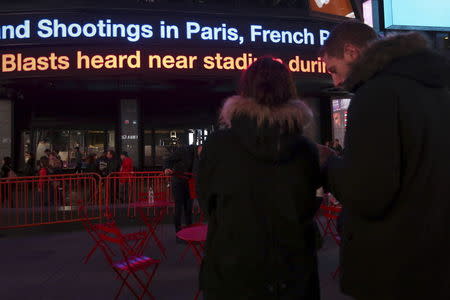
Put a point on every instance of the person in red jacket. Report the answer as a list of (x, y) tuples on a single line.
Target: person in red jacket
[(125, 170), (127, 163), (45, 186)]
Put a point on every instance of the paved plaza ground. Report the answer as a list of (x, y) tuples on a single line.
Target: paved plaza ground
[(46, 263)]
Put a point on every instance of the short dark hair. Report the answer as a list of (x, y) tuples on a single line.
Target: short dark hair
[(125, 153), (44, 162), (268, 82), (7, 160), (352, 32)]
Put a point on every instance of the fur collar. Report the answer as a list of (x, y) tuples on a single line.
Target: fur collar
[(383, 52), (292, 116)]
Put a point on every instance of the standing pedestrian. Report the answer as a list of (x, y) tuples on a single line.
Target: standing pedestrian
[(55, 165), (113, 163), (29, 168), (179, 162), (337, 147), (102, 165), (78, 159), (397, 228), (7, 169), (91, 163), (46, 189), (257, 183), (125, 170), (113, 166)]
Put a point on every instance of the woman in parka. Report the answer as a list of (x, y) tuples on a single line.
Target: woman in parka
[(257, 184)]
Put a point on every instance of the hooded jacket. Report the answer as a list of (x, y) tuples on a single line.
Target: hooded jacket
[(257, 184), (393, 179)]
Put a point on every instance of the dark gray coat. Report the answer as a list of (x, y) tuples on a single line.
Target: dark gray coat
[(394, 176)]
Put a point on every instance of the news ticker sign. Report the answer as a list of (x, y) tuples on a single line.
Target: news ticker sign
[(63, 43)]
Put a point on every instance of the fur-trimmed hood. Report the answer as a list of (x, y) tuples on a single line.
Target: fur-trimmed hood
[(293, 116), (407, 55), (269, 133)]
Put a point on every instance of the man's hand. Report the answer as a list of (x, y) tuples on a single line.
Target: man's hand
[(168, 172), (324, 154)]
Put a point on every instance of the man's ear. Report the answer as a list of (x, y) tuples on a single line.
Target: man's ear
[(351, 52)]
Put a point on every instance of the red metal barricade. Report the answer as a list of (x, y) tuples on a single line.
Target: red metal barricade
[(124, 190), (39, 200)]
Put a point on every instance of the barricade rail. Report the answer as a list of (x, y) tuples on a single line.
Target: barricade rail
[(136, 174), (53, 199)]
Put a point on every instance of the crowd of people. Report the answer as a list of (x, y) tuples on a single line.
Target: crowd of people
[(51, 164)]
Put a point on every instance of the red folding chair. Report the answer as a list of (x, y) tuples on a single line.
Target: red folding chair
[(318, 219), (331, 214), (131, 263), (136, 239), (152, 224)]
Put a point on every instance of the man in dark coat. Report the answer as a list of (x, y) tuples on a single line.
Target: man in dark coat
[(183, 160), (113, 163), (393, 177)]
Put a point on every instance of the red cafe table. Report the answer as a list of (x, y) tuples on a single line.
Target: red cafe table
[(152, 223), (195, 237)]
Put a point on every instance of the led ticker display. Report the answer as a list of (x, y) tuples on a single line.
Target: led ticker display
[(75, 61), (201, 30), (70, 43)]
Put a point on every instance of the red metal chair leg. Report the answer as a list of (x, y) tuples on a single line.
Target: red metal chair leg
[(186, 249), (88, 257), (143, 285), (149, 281), (321, 226), (197, 252), (158, 242), (125, 283)]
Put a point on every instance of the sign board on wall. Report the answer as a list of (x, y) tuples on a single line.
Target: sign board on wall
[(341, 8), (419, 15), (69, 43)]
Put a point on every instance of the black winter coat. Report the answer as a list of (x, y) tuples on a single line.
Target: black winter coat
[(182, 160), (394, 176), (113, 166), (257, 185)]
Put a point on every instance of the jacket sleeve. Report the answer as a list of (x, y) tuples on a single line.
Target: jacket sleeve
[(367, 178), (173, 158)]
